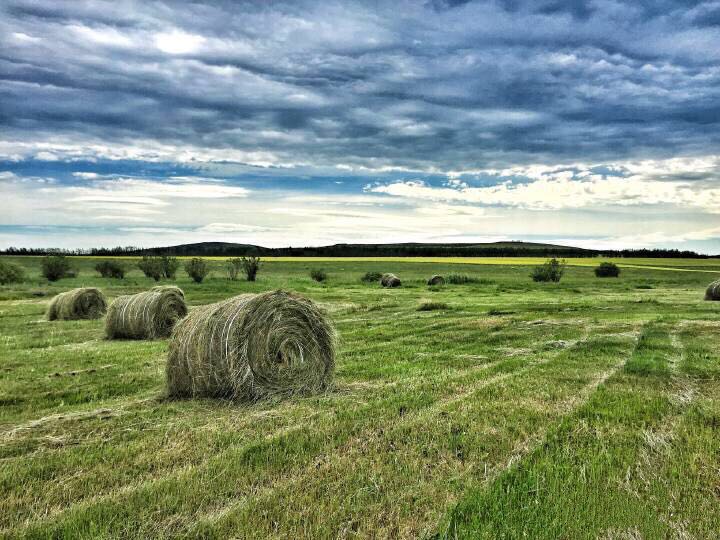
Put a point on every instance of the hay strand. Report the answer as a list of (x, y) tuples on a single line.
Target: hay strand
[(250, 347), (713, 291), (147, 315), (390, 280), (436, 280), (82, 303)]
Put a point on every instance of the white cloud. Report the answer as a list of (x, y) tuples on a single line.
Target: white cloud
[(104, 35), (178, 42), (644, 183), (86, 175), (230, 228)]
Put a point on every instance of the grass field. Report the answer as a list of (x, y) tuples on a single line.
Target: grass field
[(503, 409)]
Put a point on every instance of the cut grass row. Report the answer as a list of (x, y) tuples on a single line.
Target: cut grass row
[(631, 463)]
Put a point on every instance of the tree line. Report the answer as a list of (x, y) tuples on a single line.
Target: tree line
[(219, 249)]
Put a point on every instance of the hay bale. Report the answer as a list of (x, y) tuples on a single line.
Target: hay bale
[(250, 347), (148, 315), (436, 280), (390, 280), (82, 303), (713, 291)]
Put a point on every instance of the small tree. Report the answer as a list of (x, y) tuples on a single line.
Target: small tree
[(607, 269), (56, 267), (251, 265), (152, 267), (110, 269), (11, 272), (318, 274), (552, 270), (233, 267), (197, 269), (170, 266)]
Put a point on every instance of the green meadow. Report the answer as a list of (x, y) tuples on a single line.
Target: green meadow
[(499, 408)]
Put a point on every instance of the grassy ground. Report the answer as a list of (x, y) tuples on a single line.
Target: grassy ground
[(501, 409)]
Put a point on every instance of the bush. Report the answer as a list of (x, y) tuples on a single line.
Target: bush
[(197, 269), (432, 306), (371, 277), (552, 270), (170, 266), (460, 279), (111, 269), (56, 267), (318, 274), (607, 269), (251, 265), (11, 272), (233, 268), (152, 267)]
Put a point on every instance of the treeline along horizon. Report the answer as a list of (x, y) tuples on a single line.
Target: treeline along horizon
[(506, 249)]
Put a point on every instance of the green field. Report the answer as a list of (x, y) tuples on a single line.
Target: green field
[(585, 409)]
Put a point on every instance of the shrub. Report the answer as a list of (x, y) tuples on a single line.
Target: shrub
[(607, 269), (460, 279), (318, 274), (11, 272), (233, 267), (111, 269), (170, 266), (152, 267), (552, 270), (371, 277), (432, 306), (56, 267), (251, 265), (197, 269)]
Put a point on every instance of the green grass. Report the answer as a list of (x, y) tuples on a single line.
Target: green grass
[(500, 408)]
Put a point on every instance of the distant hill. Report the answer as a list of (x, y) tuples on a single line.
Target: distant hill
[(411, 249)]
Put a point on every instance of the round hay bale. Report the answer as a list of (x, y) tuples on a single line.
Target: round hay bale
[(436, 280), (390, 280), (250, 347), (147, 315), (713, 291), (83, 303)]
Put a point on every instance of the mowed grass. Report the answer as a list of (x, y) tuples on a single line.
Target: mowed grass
[(585, 409)]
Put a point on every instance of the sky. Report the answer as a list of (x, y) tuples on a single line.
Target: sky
[(586, 123)]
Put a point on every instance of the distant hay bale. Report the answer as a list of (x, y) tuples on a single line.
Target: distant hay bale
[(713, 291), (250, 347), (436, 280), (390, 280), (83, 303), (148, 315)]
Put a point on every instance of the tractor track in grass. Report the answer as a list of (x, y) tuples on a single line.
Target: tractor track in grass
[(343, 457), (177, 473)]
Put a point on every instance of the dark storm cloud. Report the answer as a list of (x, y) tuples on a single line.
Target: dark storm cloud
[(443, 84)]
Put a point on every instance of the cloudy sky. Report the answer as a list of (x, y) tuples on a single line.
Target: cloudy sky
[(590, 123)]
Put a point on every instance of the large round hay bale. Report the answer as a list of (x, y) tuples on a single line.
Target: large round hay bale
[(436, 280), (83, 303), (250, 347), (147, 315), (390, 280), (713, 291)]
